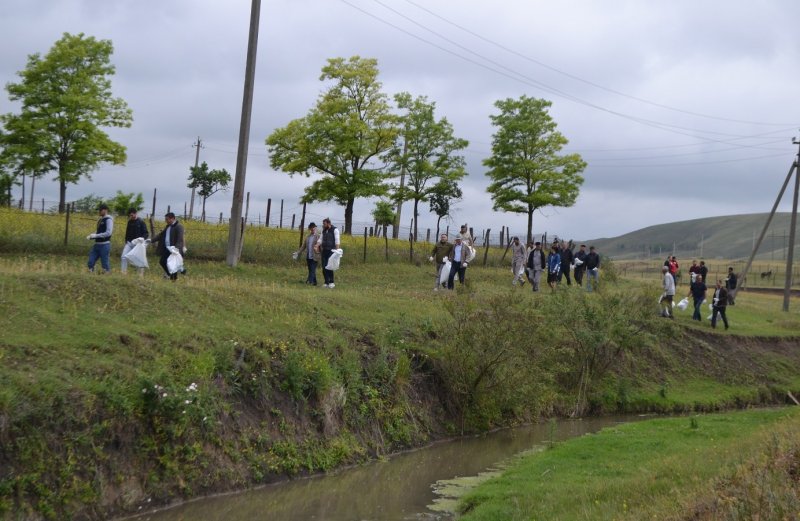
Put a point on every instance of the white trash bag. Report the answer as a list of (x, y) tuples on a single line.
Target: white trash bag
[(333, 261), (445, 275), (174, 261), (295, 255), (470, 253), (578, 262), (683, 304), (138, 254)]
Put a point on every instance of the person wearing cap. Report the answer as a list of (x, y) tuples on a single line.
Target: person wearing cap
[(592, 265), (518, 261), (101, 249), (580, 265), (668, 283), (135, 229), (458, 263), (308, 252), (439, 256), (171, 235), (536, 265)]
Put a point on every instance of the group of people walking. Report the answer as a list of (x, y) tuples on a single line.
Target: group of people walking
[(171, 235), (458, 254), (320, 247), (724, 292), (530, 263)]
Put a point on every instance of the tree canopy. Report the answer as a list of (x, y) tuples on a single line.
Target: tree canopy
[(207, 182), (342, 138), (66, 100), (426, 151), (442, 196), (526, 171)]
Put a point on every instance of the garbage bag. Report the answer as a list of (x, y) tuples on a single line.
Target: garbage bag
[(174, 261), (445, 272), (470, 253), (578, 262), (333, 261), (683, 304), (138, 255)]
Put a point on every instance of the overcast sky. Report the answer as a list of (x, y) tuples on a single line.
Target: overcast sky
[(682, 109)]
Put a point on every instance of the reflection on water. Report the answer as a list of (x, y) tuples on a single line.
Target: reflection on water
[(397, 489)]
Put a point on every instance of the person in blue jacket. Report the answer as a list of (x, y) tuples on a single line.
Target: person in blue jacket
[(553, 267)]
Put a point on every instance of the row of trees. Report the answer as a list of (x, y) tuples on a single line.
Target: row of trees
[(358, 146), (353, 139)]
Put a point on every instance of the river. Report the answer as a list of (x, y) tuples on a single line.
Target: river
[(399, 488)]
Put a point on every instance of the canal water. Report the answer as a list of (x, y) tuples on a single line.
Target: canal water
[(400, 488)]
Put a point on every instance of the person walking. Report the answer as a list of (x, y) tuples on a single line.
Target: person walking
[(592, 265), (703, 270), (673, 268), (466, 236), (171, 235), (101, 249), (135, 229), (553, 267), (719, 305), (730, 285), (566, 262), (458, 263), (327, 242), (697, 290), (308, 252), (580, 265), (668, 283), (518, 261), (439, 256), (536, 265), (694, 270)]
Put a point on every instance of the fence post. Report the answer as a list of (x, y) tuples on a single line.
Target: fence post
[(302, 225), (386, 244), (184, 210), (280, 221), (365, 244), (220, 218), (486, 251), (293, 221), (42, 204), (428, 235), (154, 204), (269, 207), (447, 232), (411, 242), (246, 211)]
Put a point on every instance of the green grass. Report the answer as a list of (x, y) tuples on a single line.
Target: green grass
[(650, 470)]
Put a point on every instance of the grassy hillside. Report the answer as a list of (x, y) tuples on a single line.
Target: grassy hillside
[(725, 237), (121, 392)]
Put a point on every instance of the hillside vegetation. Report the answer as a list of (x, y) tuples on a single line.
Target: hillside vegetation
[(121, 392)]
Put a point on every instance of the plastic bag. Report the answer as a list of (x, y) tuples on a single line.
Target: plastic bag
[(445, 275), (333, 261), (295, 255), (578, 262), (683, 304), (138, 255), (470, 253), (174, 261)]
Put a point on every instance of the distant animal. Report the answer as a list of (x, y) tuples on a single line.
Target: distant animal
[(766, 274)]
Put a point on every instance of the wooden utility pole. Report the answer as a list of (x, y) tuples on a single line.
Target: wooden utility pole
[(396, 226), (234, 230), (302, 225), (197, 145)]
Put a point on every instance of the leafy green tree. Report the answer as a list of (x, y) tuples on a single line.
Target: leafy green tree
[(122, 202), (207, 182), (383, 213), (22, 155), (427, 152), (66, 100), (441, 199), (88, 204), (341, 138), (526, 169)]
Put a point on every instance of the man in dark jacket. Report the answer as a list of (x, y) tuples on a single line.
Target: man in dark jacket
[(135, 229), (580, 265), (327, 242), (719, 305), (566, 262), (592, 265), (730, 285), (101, 249), (536, 265), (171, 235), (439, 256)]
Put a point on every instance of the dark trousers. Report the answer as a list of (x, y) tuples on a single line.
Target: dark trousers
[(579, 275), (565, 273), (163, 262), (697, 303), (327, 274), (721, 311), (312, 271), (456, 267)]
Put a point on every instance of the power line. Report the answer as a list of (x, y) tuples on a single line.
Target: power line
[(583, 80)]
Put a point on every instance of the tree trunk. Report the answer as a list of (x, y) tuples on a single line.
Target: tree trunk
[(348, 216), (204, 210), (530, 224), (416, 218), (436, 237), (33, 181), (62, 195)]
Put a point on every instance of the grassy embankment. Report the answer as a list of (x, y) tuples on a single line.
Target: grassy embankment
[(125, 391), (732, 466)]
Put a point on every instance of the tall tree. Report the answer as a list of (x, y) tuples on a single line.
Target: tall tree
[(342, 137), (384, 215), (526, 169), (66, 100), (441, 199), (427, 151), (207, 182)]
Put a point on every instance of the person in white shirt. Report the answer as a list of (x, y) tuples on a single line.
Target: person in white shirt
[(458, 263), (327, 242)]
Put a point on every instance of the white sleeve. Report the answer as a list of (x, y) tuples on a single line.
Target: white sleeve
[(336, 236)]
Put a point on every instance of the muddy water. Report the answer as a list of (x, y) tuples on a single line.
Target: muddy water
[(398, 489)]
